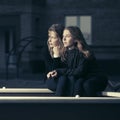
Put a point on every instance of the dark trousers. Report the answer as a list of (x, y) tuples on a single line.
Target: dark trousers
[(58, 85), (65, 86), (87, 87), (75, 86), (69, 86), (94, 85)]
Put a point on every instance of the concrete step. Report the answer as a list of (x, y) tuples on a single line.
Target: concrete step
[(111, 94), (59, 108), (25, 92)]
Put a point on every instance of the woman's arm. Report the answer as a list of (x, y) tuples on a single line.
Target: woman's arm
[(78, 69)]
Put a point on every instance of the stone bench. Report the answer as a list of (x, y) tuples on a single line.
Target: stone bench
[(42, 92), (25, 92), (110, 94)]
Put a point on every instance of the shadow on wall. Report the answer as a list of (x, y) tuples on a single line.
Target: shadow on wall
[(37, 66), (111, 67)]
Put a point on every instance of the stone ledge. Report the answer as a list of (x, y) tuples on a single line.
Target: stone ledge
[(111, 94), (25, 90), (59, 100)]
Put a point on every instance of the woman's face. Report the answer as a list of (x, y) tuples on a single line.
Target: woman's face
[(68, 41), (53, 39)]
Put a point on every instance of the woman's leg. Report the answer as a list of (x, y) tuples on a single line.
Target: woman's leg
[(75, 86), (78, 87), (51, 84), (70, 85), (61, 86), (94, 85)]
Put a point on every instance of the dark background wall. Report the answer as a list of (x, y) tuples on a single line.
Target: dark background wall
[(34, 17)]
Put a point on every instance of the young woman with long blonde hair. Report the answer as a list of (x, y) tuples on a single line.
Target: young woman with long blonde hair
[(55, 46)]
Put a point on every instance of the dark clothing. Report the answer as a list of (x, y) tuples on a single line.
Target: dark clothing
[(58, 85), (75, 86), (63, 86), (80, 76), (80, 66), (84, 71), (94, 85)]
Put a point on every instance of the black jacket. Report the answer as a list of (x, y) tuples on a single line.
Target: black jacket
[(78, 65)]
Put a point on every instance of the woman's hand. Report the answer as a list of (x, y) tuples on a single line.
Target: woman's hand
[(49, 75), (52, 74)]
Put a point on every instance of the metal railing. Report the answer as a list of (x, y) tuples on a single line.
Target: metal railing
[(17, 51)]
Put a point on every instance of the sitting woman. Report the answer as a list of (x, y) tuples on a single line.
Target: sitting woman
[(55, 46), (82, 71)]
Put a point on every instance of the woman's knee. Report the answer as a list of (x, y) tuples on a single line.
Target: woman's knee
[(62, 81), (87, 84), (51, 84)]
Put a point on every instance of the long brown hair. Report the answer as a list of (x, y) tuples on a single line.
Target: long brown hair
[(58, 29), (79, 43)]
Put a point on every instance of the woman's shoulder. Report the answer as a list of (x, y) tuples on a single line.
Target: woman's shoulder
[(78, 53), (91, 56)]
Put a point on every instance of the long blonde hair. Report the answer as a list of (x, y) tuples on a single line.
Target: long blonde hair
[(79, 41), (58, 29)]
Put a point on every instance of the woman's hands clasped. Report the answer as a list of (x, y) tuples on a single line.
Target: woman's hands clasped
[(52, 74)]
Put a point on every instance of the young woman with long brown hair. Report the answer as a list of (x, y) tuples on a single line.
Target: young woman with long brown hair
[(82, 70)]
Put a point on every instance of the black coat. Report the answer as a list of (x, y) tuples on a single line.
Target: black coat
[(82, 75), (78, 65)]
